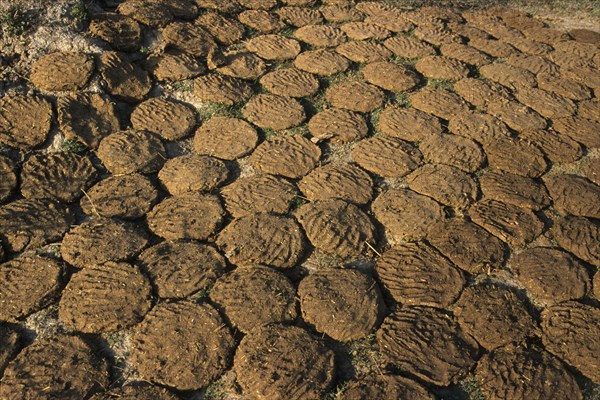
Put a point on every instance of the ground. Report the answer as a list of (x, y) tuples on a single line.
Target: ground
[(221, 199)]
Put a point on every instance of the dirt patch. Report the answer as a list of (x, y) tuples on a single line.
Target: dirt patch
[(182, 345), (268, 239), (96, 242), (258, 194), (417, 274), (255, 296), (64, 367), (28, 284), (344, 304), (428, 355), (258, 359), (179, 269), (105, 298), (58, 176)]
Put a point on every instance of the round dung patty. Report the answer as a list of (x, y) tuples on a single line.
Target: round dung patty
[(385, 386), (10, 344), (439, 102), (243, 65), (187, 216), (551, 275), (262, 239), (58, 176), (321, 62), (98, 241), (481, 93), (274, 47), (454, 150), (342, 303), (337, 227), (515, 225), (501, 372), (275, 112), (62, 71), (290, 82), (192, 173), (338, 180), (222, 89), (303, 365), (517, 116), (24, 121), (482, 128), (87, 117), (390, 76), (61, 368), (121, 196), (136, 391), (549, 105), (182, 345), (338, 125), (417, 274), (254, 296), (409, 47), (440, 67), (179, 269), (31, 223), (290, 156), (508, 75), (556, 147), (363, 51), (468, 245), (28, 284), (226, 138), (105, 298), (300, 16), (167, 118), (385, 156), (575, 195), (258, 194), (340, 11), (514, 189), (571, 331), (564, 86), (580, 236), (409, 124), (188, 38), (406, 214), (225, 30), (515, 156), (446, 184), (362, 30), (427, 343), (321, 35), (123, 79), (130, 151), (466, 54), (120, 31), (494, 316), (591, 170), (579, 129), (8, 178), (261, 20), (153, 14), (173, 67)]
